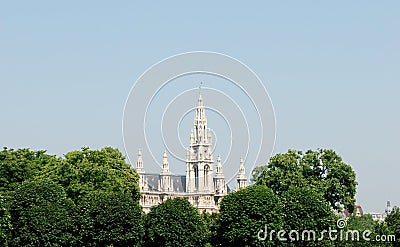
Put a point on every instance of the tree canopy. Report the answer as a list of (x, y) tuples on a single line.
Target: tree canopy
[(108, 218), (245, 212), (42, 215), (88, 170), (175, 222), (304, 209), (323, 170), (392, 221), (17, 166), (5, 222)]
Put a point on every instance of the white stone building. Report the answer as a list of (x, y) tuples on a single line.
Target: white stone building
[(202, 185)]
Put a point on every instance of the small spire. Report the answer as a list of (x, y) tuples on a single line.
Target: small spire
[(165, 164), (219, 166), (165, 156), (242, 170), (241, 176), (139, 162)]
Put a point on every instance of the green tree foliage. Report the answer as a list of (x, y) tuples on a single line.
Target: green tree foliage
[(305, 209), (89, 170), (17, 166), (245, 212), (5, 223), (392, 221), (42, 215), (256, 172), (108, 218), (322, 170), (210, 222), (174, 222), (361, 224)]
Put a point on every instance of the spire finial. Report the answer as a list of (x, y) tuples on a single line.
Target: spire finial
[(200, 100)]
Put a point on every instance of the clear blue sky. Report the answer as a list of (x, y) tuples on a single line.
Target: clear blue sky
[(332, 71)]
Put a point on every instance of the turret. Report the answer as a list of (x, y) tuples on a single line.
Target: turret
[(220, 186), (139, 162), (166, 184), (241, 176), (140, 170)]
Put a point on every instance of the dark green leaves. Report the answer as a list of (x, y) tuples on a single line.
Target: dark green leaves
[(243, 213), (175, 222), (322, 170)]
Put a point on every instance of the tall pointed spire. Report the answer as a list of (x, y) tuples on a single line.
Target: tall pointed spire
[(200, 123), (199, 161)]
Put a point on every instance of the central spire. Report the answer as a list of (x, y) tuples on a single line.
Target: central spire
[(199, 157), (200, 124)]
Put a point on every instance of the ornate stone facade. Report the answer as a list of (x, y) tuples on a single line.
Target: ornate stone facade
[(201, 185)]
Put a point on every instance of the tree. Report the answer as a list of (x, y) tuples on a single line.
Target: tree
[(210, 222), (5, 223), (175, 222), (108, 218), (360, 223), (246, 214), (392, 221), (42, 215), (305, 209), (322, 170), (256, 172), (17, 166), (82, 172)]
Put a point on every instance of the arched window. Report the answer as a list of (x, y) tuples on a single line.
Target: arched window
[(196, 177), (206, 173)]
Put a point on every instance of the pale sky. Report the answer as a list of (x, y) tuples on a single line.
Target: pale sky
[(331, 70)]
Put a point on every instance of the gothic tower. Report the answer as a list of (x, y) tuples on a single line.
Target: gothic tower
[(199, 158)]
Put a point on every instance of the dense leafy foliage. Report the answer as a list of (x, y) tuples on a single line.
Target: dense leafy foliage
[(89, 170), (322, 170), (42, 215), (5, 223), (110, 219), (90, 198), (393, 224), (174, 222), (256, 172), (17, 166), (305, 209), (361, 224), (245, 212), (210, 222)]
